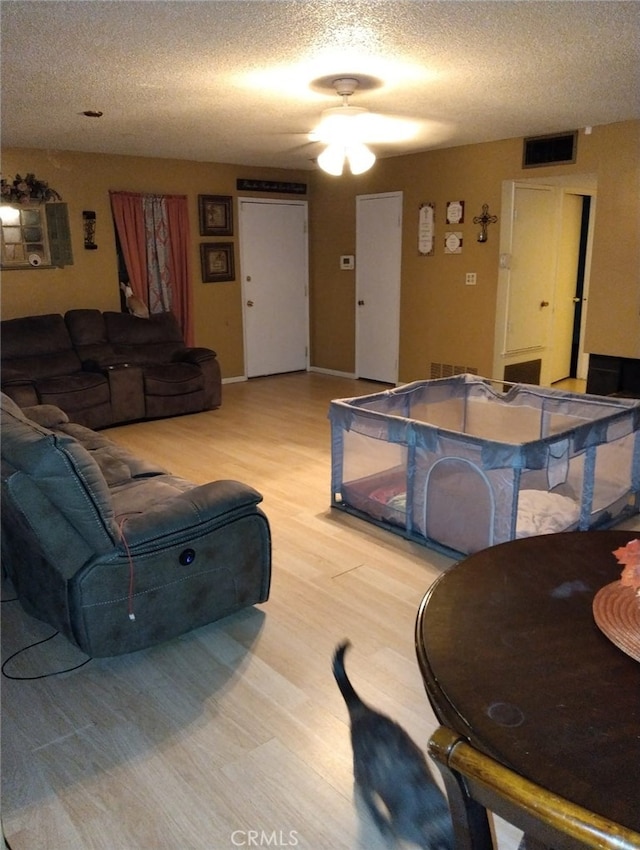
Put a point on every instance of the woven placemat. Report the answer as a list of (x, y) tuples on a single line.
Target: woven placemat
[(616, 610)]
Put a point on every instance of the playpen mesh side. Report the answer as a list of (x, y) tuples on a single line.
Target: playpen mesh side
[(469, 404)]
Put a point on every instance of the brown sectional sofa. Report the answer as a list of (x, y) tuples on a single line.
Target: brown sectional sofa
[(103, 368)]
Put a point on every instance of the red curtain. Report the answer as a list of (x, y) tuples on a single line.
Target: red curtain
[(129, 217)]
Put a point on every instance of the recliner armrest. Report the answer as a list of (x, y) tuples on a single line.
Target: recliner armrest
[(210, 504)]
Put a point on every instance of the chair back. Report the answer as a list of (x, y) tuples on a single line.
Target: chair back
[(476, 783)]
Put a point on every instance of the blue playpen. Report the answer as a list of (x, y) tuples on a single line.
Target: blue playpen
[(465, 462)]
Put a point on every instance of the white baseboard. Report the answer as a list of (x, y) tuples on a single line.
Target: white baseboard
[(238, 378), (332, 372)]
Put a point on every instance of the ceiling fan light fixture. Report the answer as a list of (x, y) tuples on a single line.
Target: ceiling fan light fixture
[(331, 160), (359, 157), (343, 129)]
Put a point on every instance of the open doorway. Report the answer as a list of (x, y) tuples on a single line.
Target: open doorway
[(543, 281), (575, 366)]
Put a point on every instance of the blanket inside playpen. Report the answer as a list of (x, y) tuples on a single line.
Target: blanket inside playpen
[(538, 511)]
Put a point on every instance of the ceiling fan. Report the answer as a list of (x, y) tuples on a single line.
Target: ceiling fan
[(348, 130)]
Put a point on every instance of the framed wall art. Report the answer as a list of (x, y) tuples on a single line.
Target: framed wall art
[(216, 259), (455, 212), (216, 215), (426, 225)]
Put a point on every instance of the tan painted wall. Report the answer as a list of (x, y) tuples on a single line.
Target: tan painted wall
[(84, 181), (442, 320), (614, 300)]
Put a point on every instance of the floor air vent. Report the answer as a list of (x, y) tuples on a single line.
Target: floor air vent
[(558, 149), (446, 370)]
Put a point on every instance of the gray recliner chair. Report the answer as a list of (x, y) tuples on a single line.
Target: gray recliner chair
[(115, 552)]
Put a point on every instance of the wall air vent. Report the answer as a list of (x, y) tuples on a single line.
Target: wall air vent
[(448, 370), (556, 149)]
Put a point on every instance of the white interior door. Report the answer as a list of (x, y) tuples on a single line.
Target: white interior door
[(378, 262), (274, 268), (533, 257)]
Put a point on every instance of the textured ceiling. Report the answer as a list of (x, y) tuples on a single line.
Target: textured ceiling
[(234, 81)]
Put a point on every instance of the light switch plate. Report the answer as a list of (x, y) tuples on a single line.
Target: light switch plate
[(347, 261)]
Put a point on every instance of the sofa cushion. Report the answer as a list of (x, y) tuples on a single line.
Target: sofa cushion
[(172, 379), (84, 396), (88, 334), (140, 341), (86, 327), (116, 463), (75, 391), (38, 347)]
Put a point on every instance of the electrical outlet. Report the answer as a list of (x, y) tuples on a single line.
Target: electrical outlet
[(470, 279)]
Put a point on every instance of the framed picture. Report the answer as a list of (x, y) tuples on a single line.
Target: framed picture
[(455, 212), (216, 259), (216, 215)]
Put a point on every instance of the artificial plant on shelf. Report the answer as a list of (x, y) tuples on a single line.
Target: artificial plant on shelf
[(27, 190)]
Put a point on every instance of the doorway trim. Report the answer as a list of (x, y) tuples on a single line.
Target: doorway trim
[(389, 296), (279, 202), (579, 184)]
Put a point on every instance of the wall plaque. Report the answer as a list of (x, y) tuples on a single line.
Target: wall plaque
[(243, 185)]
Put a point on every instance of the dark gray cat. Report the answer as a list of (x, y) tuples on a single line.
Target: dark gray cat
[(391, 773)]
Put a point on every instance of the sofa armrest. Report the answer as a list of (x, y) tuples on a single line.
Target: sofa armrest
[(194, 355), (207, 361), (20, 389), (215, 503)]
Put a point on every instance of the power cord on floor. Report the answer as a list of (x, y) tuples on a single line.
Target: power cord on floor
[(42, 675)]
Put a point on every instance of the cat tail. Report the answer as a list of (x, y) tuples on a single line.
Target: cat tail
[(353, 701)]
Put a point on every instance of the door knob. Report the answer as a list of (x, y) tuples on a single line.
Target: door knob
[(249, 277), (544, 303), (249, 303), (360, 303), (577, 300)]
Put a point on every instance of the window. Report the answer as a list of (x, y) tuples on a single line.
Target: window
[(35, 235)]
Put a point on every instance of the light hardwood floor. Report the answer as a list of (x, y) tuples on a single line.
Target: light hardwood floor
[(234, 735)]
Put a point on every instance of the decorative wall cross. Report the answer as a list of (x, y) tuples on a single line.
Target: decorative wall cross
[(483, 220)]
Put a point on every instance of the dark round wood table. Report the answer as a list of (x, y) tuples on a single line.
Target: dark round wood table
[(513, 661)]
